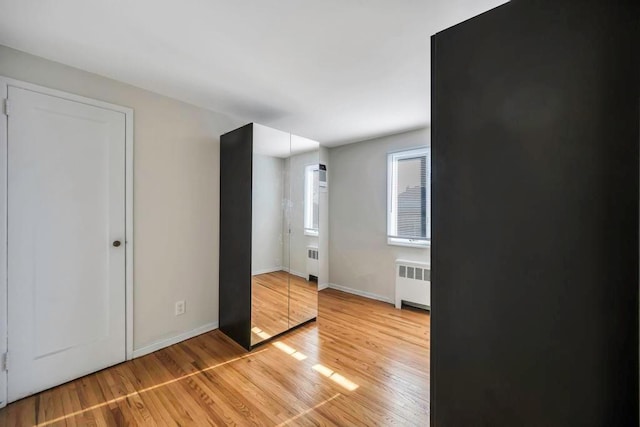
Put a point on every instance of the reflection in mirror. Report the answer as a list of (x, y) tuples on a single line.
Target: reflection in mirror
[(270, 234), (302, 167)]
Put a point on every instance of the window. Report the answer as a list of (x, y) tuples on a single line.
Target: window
[(408, 201), (311, 210)]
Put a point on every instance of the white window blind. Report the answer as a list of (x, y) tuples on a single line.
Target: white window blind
[(409, 205)]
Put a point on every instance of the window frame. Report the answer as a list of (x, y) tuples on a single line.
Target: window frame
[(392, 197), (308, 200)]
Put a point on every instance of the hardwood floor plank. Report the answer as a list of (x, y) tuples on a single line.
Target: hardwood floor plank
[(23, 412), (169, 390), (212, 406), (51, 406), (161, 401), (236, 406), (362, 363), (67, 405), (253, 398)]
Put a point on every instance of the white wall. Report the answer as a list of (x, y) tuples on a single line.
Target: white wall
[(359, 256), (267, 224), (323, 254), (176, 196)]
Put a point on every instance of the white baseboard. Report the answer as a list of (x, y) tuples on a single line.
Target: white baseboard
[(280, 268), (323, 286), (158, 345), (266, 270), (295, 273), (361, 293)]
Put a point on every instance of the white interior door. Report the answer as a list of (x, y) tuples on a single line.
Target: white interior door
[(66, 208)]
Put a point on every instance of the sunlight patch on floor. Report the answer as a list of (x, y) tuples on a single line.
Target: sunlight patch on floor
[(153, 387), (259, 332), (301, 414), (335, 377), (289, 350)]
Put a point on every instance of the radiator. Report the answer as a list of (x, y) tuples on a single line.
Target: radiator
[(413, 283), (312, 262)]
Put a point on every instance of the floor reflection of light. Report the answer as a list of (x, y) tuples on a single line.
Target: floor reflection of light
[(335, 377), (309, 410), (259, 332), (153, 387), (289, 350), (323, 370)]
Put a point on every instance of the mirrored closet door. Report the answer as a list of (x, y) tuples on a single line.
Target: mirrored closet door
[(302, 168), (271, 203), (269, 232)]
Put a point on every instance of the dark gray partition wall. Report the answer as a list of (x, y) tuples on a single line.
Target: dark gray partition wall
[(535, 139), (236, 155)]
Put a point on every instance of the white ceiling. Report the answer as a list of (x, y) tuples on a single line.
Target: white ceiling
[(335, 71)]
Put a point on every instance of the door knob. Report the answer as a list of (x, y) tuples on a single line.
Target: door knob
[(116, 243)]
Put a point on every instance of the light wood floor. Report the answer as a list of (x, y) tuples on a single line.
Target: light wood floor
[(269, 305), (280, 301), (362, 363)]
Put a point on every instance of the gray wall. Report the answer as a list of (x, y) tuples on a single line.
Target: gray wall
[(359, 256), (267, 224), (176, 195), (323, 238)]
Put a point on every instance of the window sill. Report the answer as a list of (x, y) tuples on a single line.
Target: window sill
[(313, 233), (408, 243)]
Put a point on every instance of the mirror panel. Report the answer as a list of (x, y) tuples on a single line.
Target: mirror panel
[(270, 234), (303, 251)]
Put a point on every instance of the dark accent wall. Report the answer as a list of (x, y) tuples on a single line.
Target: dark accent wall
[(236, 157), (535, 138)]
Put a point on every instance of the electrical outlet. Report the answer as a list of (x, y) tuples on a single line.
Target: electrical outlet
[(180, 307)]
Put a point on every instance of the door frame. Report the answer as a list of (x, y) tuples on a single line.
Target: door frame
[(5, 83)]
